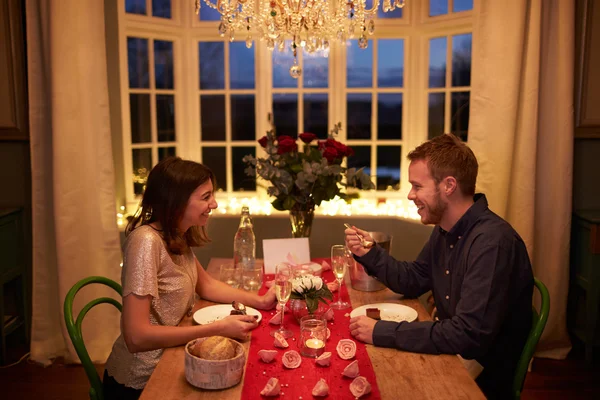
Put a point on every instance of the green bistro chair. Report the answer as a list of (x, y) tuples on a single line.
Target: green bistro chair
[(74, 327), (538, 324)]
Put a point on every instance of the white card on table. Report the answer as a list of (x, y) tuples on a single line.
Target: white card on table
[(278, 250)]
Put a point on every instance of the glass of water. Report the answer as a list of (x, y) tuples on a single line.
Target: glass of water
[(230, 275), (253, 278)]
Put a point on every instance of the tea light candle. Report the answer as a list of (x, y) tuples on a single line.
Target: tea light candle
[(314, 344)]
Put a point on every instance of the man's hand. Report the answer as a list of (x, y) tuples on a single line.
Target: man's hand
[(354, 243), (362, 328)]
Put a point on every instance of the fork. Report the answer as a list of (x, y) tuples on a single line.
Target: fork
[(367, 244)]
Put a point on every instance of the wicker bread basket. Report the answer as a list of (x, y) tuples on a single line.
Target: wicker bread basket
[(214, 374)]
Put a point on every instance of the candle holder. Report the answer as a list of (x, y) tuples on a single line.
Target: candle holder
[(313, 334)]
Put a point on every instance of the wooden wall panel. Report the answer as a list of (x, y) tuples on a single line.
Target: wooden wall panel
[(587, 69), (13, 90)]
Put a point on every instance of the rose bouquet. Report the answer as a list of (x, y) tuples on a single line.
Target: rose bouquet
[(312, 290), (302, 179)]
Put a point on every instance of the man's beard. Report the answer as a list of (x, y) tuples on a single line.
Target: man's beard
[(436, 210)]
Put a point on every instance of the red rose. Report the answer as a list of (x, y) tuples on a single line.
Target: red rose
[(286, 145), (263, 141), (349, 152), (330, 154), (307, 137)]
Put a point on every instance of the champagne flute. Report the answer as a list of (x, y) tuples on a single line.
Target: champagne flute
[(341, 258), (283, 290)]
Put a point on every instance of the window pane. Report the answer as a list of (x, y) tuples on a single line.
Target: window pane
[(316, 70), (461, 60), (460, 114), (135, 7), (141, 160), (164, 152), (361, 158), (437, 62), (163, 64), (137, 62), (241, 181), (389, 116), (390, 62), (315, 114), (462, 5), (207, 13), (437, 103), (211, 56), (388, 167), (241, 66), (438, 7), (282, 61), (139, 109), (358, 116), (165, 117), (285, 114), (243, 120), (212, 117), (359, 65), (161, 8), (215, 159)]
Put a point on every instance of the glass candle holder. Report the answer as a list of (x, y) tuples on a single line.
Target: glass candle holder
[(313, 334)]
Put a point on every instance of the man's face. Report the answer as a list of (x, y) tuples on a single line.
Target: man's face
[(425, 193)]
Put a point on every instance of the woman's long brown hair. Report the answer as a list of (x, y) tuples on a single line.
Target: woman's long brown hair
[(168, 189)]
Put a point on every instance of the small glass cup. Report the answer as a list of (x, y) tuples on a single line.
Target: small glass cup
[(313, 334), (253, 278), (230, 275)]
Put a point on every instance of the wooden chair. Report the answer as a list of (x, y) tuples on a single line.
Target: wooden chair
[(74, 327), (537, 327)]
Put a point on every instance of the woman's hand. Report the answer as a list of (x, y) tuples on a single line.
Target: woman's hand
[(236, 326), (354, 243), (268, 300)]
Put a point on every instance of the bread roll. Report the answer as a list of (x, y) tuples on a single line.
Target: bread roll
[(214, 348)]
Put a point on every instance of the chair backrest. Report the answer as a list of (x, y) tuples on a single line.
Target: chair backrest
[(537, 327), (74, 327)]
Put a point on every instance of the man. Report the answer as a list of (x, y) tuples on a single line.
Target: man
[(474, 262)]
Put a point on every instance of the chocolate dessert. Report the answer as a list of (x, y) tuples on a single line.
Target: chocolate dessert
[(237, 312), (374, 313)]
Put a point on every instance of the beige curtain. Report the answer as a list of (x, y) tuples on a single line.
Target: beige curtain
[(521, 129), (74, 224)]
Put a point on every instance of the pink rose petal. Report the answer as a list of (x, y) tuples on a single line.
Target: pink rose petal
[(280, 341), (346, 349), (291, 359), (360, 386), (326, 266), (321, 388), (276, 319), (333, 286), (267, 355), (272, 388), (351, 370), (329, 314), (324, 359)]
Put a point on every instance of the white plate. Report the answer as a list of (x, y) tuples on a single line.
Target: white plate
[(388, 312), (210, 314)]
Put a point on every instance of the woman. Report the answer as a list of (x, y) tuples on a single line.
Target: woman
[(161, 276)]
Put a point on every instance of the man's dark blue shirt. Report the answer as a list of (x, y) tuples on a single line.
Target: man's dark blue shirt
[(482, 283)]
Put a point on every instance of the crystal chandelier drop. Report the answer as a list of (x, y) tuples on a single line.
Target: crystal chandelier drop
[(311, 24)]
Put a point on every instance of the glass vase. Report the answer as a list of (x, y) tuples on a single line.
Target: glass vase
[(299, 309), (301, 221)]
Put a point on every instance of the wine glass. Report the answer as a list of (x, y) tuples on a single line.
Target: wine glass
[(283, 290), (341, 258)]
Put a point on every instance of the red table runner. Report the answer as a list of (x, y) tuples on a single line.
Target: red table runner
[(298, 383)]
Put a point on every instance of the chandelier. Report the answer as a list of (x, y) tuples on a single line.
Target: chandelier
[(310, 24)]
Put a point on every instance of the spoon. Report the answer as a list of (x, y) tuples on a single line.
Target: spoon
[(239, 306), (367, 244)]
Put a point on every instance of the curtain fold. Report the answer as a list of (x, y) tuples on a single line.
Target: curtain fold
[(521, 129), (74, 223)]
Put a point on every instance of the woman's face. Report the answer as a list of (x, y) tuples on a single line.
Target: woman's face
[(199, 206)]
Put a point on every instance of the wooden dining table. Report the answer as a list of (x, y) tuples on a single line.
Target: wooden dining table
[(398, 373)]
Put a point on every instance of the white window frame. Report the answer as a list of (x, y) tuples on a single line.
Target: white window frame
[(184, 29)]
